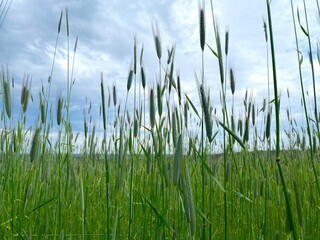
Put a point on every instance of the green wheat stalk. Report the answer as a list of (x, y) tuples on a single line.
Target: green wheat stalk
[(277, 115)]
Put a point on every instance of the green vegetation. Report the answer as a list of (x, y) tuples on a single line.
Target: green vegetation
[(167, 170)]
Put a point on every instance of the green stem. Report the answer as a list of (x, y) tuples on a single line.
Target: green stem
[(202, 156), (277, 115), (312, 73), (304, 103)]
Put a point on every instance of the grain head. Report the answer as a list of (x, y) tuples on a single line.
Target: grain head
[(114, 94), (143, 77), (232, 82), (152, 111), (35, 145), (129, 81), (206, 111), (59, 110), (202, 24), (157, 40), (226, 50), (6, 92)]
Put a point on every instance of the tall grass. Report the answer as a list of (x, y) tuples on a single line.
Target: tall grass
[(164, 170), (277, 116), (202, 45)]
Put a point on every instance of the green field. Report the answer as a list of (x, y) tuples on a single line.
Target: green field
[(169, 169)]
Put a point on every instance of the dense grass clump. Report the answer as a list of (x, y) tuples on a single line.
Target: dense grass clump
[(172, 168)]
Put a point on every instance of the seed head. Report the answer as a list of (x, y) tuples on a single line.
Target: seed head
[(253, 115), (6, 92), (59, 110), (25, 93), (67, 21), (114, 95), (143, 78), (202, 26), (152, 109), (35, 145), (268, 125), (206, 112), (130, 77), (42, 110), (157, 40), (179, 88), (265, 30), (227, 42), (232, 82), (60, 20)]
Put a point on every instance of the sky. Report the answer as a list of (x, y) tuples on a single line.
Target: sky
[(106, 30)]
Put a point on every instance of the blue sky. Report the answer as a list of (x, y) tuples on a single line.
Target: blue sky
[(106, 29)]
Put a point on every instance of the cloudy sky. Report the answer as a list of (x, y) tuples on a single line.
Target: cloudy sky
[(106, 29)]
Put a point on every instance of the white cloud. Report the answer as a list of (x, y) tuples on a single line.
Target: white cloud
[(106, 31)]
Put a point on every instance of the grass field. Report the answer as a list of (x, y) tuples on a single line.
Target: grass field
[(169, 169)]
